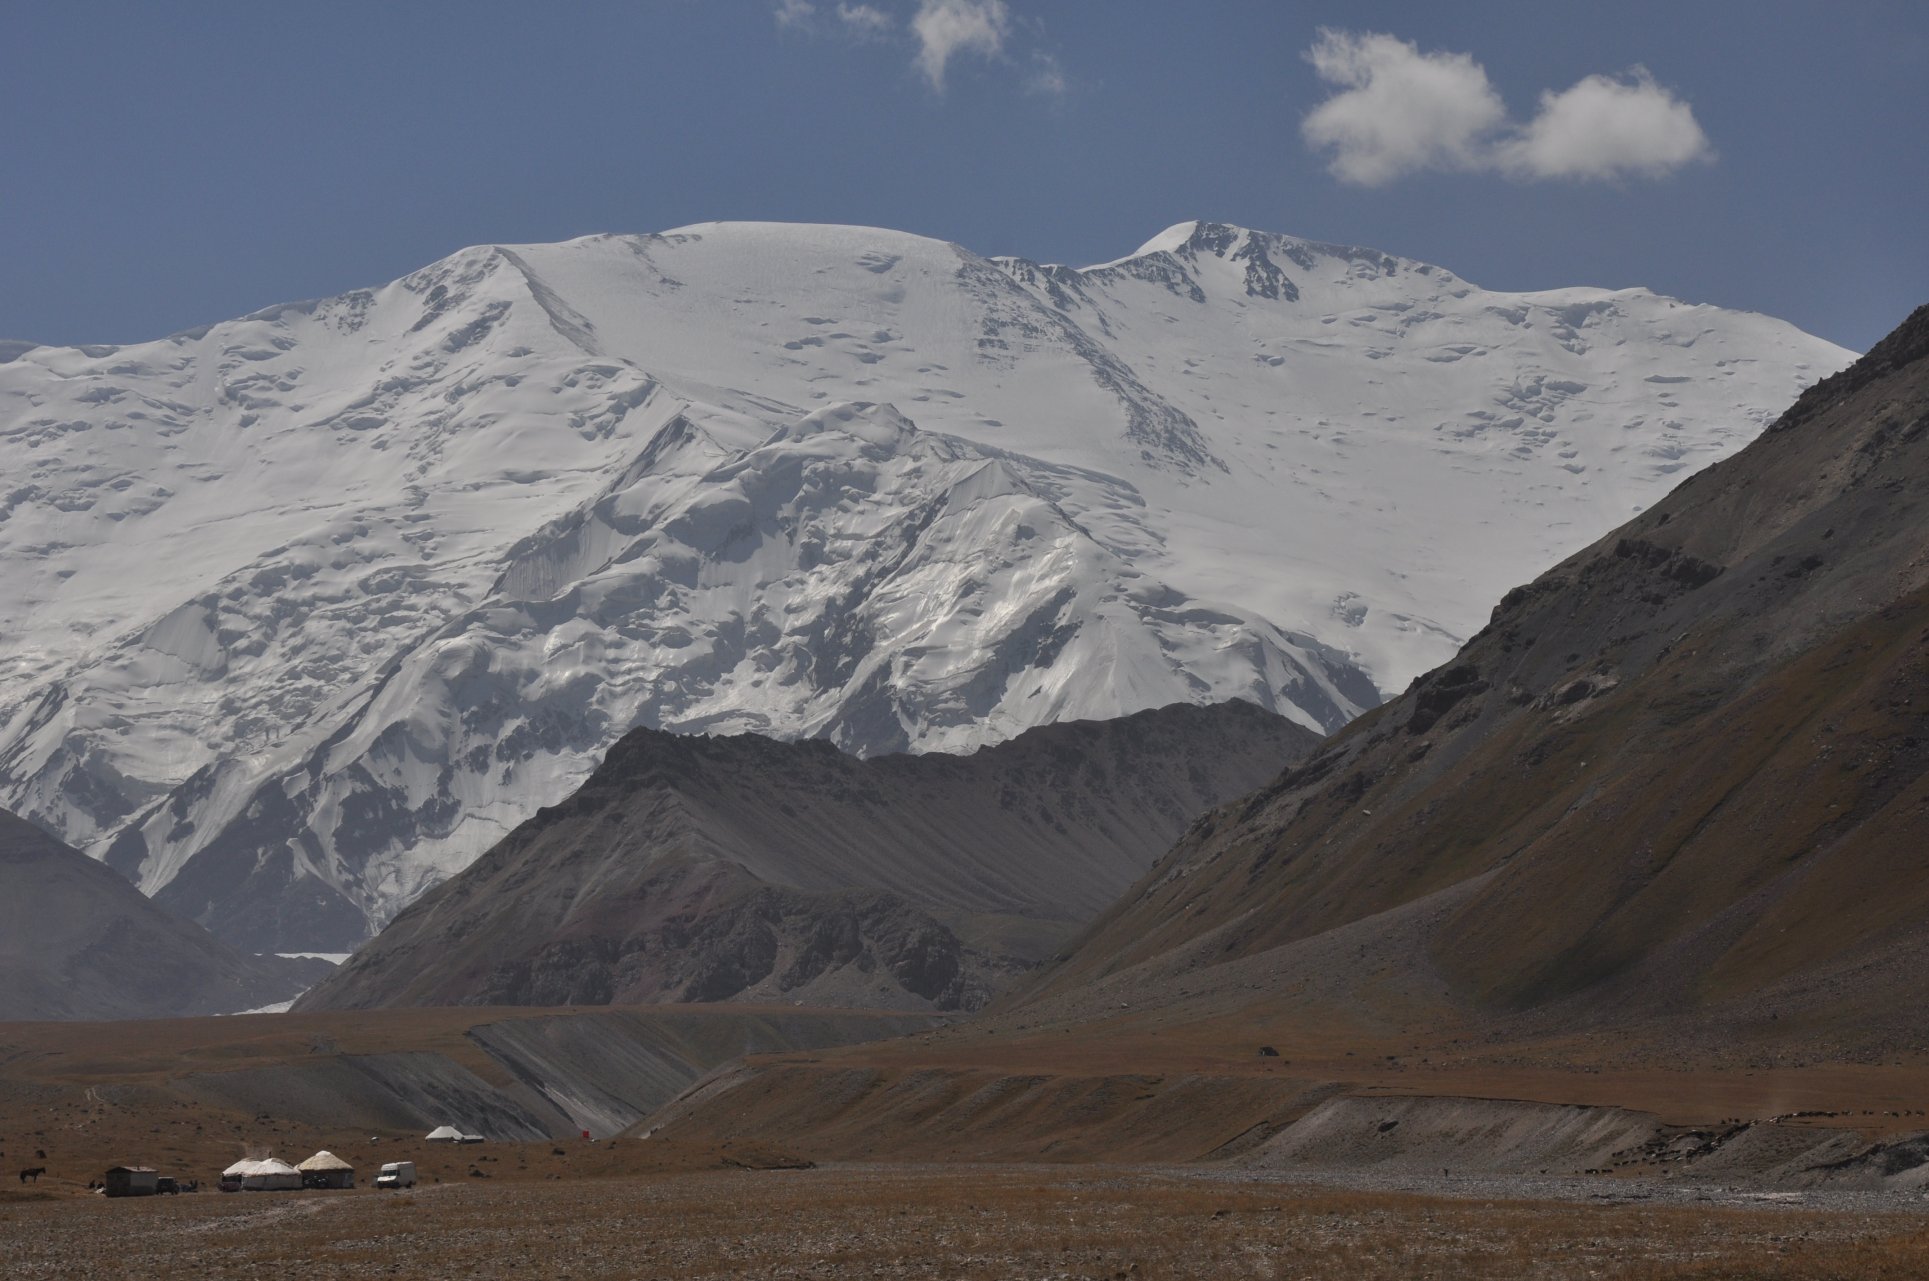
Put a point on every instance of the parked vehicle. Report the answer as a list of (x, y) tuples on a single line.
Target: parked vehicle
[(396, 1174)]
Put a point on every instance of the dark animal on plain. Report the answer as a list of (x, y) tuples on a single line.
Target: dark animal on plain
[(34, 1173), (40, 1154)]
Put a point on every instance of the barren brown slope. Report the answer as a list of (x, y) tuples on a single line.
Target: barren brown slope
[(78, 941), (742, 868), (1682, 775)]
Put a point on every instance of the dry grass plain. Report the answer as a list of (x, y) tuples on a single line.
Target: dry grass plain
[(941, 1198), (938, 1222)]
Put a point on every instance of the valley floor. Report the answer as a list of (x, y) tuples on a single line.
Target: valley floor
[(1176, 1152), (964, 1222)]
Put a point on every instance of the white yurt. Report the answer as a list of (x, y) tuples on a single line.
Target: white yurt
[(326, 1170), (445, 1134), (234, 1178), (270, 1175)]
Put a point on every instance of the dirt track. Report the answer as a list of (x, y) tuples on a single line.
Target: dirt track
[(956, 1222)]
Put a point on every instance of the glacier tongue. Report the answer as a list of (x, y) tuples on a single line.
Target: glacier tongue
[(314, 605)]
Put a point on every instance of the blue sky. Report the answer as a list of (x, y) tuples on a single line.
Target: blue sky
[(164, 166)]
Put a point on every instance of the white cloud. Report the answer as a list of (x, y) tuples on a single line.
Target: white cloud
[(1400, 111), (794, 13), (937, 32), (1607, 128), (946, 28), (865, 19)]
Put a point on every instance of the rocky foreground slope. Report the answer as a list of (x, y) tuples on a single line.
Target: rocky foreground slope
[(314, 606), (740, 868), (78, 942)]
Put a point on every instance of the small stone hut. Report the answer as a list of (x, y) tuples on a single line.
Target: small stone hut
[(132, 1180)]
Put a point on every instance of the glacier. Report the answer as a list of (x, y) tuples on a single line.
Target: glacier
[(310, 607)]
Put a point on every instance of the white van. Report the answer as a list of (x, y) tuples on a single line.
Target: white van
[(396, 1174)]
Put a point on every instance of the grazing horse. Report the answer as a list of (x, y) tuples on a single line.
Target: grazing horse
[(33, 1173)]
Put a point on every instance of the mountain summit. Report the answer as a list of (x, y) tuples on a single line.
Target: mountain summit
[(314, 606)]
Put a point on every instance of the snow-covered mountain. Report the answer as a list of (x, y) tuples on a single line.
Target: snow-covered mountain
[(309, 608)]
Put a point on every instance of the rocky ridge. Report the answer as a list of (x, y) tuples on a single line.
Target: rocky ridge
[(740, 868)]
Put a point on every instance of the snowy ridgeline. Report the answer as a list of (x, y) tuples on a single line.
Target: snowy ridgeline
[(311, 607)]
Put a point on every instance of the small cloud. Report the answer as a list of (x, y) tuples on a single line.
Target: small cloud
[(794, 13), (946, 28), (936, 32), (1604, 128), (1047, 76), (1400, 111), (865, 20)]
